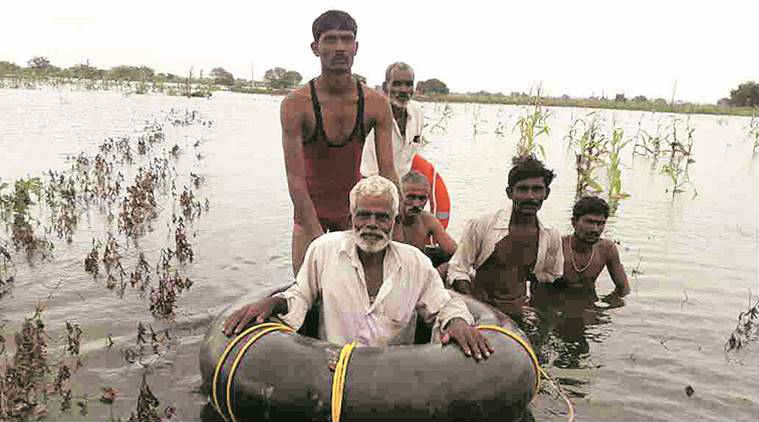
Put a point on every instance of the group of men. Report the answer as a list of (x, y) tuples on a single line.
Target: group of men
[(359, 231)]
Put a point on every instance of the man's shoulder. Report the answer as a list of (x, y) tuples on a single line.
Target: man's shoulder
[(375, 102), (297, 98), (408, 252), (329, 240), (428, 219), (608, 246)]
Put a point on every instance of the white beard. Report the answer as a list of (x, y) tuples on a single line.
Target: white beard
[(371, 246)]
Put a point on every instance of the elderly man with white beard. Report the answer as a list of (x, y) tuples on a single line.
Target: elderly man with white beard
[(370, 287)]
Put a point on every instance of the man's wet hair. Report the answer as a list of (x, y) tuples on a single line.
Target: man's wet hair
[(526, 167), (333, 19), (414, 176), (394, 66), (590, 205)]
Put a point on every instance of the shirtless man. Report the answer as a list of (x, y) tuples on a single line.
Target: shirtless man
[(419, 225), (324, 125), (506, 248), (586, 255)]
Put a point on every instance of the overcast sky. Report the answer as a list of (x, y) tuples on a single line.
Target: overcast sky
[(579, 48)]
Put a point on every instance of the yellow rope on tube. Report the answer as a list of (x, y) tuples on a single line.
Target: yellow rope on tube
[(225, 354), (338, 380), (521, 341)]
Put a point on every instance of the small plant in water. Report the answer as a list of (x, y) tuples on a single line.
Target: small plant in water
[(589, 143), (531, 127), (613, 169), (681, 156), (746, 330)]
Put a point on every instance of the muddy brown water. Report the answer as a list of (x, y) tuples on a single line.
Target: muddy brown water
[(694, 255)]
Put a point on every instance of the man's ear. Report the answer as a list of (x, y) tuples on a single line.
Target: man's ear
[(356, 50), (315, 48), (509, 191)]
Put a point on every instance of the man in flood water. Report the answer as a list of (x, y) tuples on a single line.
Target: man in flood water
[(506, 248), (420, 226), (408, 122), (585, 256), (369, 286), (324, 125)]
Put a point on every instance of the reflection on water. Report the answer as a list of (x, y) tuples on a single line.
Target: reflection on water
[(691, 260)]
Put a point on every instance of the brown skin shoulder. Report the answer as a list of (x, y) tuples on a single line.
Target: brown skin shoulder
[(606, 255)]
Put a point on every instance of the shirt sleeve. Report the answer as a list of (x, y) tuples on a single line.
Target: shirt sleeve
[(302, 295), (437, 302), (462, 263), (554, 267)]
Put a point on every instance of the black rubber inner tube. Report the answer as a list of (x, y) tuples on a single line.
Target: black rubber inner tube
[(286, 376)]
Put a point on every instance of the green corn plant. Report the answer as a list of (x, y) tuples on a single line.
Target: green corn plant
[(590, 146), (647, 144), (680, 158), (531, 126), (613, 169)]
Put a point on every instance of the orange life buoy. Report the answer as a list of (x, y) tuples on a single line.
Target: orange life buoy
[(440, 203)]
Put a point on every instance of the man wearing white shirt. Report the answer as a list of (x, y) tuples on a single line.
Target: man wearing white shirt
[(408, 122), (500, 251), (370, 287)]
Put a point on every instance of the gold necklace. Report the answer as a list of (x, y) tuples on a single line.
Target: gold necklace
[(574, 263)]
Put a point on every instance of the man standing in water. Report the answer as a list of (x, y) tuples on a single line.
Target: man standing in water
[(408, 122), (324, 125), (370, 287), (419, 225), (586, 255), (506, 248)]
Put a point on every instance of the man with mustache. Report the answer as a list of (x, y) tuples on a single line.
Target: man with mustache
[(408, 122), (499, 252), (586, 255), (324, 126), (370, 287), (419, 226)]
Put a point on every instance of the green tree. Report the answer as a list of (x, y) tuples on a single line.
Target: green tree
[(39, 63), (222, 77), (640, 99), (293, 78), (432, 86), (8, 68), (746, 95), (280, 77), (620, 98)]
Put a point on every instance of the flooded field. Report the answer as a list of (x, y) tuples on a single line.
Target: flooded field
[(691, 256)]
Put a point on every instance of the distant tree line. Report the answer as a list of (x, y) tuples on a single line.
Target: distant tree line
[(41, 67)]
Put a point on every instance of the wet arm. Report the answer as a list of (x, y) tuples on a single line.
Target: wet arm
[(441, 237), (617, 271), (292, 145)]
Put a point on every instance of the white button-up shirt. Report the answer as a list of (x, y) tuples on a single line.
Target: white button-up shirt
[(333, 273), (404, 147), (481, 236)]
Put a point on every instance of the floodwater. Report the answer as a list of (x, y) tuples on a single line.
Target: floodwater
[(691, 259)]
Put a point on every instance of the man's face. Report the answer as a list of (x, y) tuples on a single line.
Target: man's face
[(400, 87), (588, 227), (527, 195), (415, 197), (373, 222), (336, 49)]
